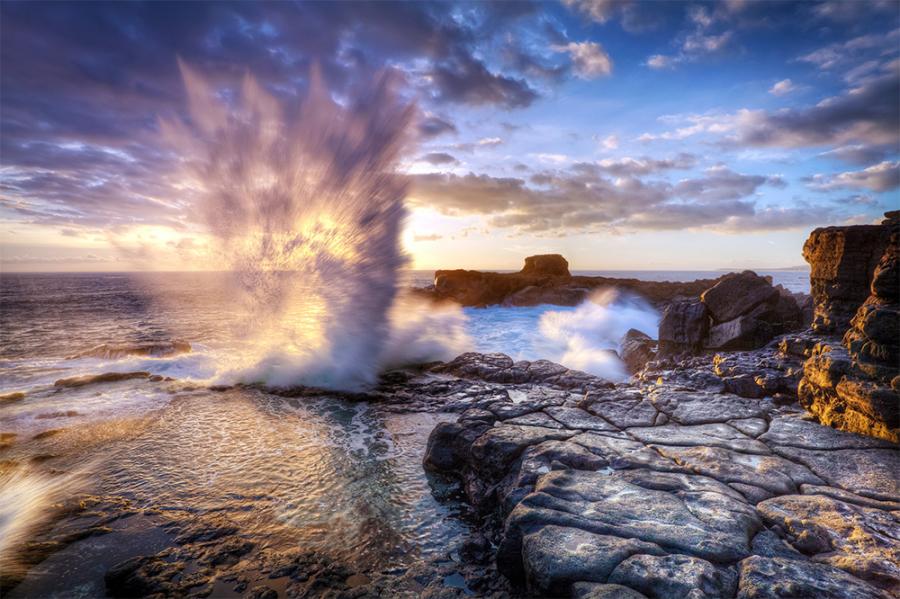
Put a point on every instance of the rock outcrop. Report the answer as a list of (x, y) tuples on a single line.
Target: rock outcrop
[(855, 385), (842, 261), (670, 485), (545, 279), (552, 265), (741, 311)]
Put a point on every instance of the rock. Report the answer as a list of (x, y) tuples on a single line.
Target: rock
[(449, 443), (860, 395), (842, 261), (636, 349), (867, 472), (498, 447), (780, 578), (771, 473), (768, 544), (623, 453), (577, 418), (744, 385), (698, 407), (143, 575), (860, 540), (546, 264), (554, 557), (674, 576), (840, 395), (622, 410), (737, 294), (540, 459), (693, 515), (590, 590), (744, 332), (710, 435), (806, 434), (683, 328), (546, 280)]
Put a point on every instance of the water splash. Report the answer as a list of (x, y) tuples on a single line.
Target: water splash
[(305, 208), (585, 338)]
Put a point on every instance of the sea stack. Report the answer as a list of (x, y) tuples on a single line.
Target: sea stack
[(853, 382)]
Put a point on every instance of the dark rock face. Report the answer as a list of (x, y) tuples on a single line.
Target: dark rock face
[(741, 311), (736, 294), (683, 328), (636, 350), (856, 386), (666, 486), (546, 264), (744, 332), (843, 261)]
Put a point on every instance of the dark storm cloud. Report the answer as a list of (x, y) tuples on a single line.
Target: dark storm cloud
[(583, 199)]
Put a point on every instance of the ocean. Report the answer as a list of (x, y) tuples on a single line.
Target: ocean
[(338, 477)]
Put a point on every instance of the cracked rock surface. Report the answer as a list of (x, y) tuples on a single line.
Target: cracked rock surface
[(672, 484)]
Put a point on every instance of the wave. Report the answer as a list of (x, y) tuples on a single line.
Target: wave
[(587, 338), (154, 349)]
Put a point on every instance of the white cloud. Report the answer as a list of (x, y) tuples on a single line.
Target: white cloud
[(659, 61), (610, 142), (590, 59), (783, 87)]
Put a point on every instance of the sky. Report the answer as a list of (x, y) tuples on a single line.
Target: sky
[(625, 135)]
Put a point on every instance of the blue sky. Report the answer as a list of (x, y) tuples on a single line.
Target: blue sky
[(624, 134)]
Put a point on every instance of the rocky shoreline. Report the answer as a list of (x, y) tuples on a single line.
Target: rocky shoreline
[(672, 485), (702, 476)]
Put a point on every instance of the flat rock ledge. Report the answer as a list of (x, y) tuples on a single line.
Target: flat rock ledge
[(670, 485)]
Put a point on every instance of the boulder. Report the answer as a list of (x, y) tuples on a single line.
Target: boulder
[(736, 294), (546, 264), (636, 350), (683, 327), (744, 332)]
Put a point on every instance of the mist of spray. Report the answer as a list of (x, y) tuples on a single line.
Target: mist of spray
[(306, 209)]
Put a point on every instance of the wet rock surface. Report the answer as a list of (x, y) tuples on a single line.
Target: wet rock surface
[(673, 484)]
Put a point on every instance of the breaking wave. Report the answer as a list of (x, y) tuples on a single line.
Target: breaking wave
[(587, 337), (305, 209)]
